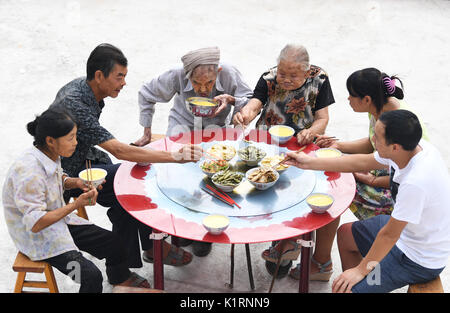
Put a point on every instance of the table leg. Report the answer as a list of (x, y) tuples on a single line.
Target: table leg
[(158, 266), (249, 266), (232, 266), (305, 262)]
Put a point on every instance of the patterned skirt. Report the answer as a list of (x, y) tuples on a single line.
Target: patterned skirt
[(371, 201)]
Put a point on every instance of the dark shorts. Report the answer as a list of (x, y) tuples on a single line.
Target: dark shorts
[(396, 270)]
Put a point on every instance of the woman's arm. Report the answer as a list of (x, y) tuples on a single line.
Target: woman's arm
[(248, 112), (307, 135)]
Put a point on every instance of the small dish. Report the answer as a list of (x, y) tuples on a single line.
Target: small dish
[(215, 224), (319, 202), (281, 133), (227, 186), (211, 167), (251, 155), (261, 185), (328, 153)]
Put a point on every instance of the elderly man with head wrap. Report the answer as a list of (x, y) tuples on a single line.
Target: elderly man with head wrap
[(202, 75)]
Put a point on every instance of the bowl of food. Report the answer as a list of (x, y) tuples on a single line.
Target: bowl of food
[(328, 153), (210, 167), (227, 180), (215, 224), (262, 178), (281, 133), (222, 151), (270, 161), (319, 202), (202, 107), (251, 155), (95, 176)]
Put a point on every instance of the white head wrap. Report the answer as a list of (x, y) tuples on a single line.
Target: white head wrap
[(203, 56)]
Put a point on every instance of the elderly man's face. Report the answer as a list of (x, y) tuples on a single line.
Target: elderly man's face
[(290, 75), (203, 79)]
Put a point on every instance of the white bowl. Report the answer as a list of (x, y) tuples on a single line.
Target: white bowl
[(281, 139), (327, 153), (98, 175), (215, 224), (226, 188), (210, 174), (319, 208), (251, 162), (261, 186)]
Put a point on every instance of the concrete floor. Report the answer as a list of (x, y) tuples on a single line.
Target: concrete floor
[(44, 44)]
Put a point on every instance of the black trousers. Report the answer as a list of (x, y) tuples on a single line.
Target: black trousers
[(123, 224), (100, 243)]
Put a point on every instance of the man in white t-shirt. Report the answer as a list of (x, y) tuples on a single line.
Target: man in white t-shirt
[(413, 244)]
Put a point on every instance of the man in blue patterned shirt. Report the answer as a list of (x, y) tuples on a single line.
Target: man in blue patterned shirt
[(83, 98)]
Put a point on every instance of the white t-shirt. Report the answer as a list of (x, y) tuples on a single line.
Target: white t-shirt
[(423, 201)]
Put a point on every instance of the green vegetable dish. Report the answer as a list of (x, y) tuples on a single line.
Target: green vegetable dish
[(251, 153), (228, 178)]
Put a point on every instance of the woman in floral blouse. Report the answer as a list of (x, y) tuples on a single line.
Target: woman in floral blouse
[(293, 93), (43, 227)]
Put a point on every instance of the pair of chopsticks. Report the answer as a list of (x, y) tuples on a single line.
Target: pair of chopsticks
[(221, 196), (223, 199), (89, 175)]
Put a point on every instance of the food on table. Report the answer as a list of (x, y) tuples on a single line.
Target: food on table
[(222, 151), (319, 200), (251, 153), (281, 131), (214, 166), (328, 153), (216, 221), (228, 178), (272, 160), (94, 174), (263, 175)]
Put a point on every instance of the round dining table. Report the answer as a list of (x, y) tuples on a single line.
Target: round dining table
[(144, 192)]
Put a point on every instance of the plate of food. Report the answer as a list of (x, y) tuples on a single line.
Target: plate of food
[(222, 151), (270, 161), (210, 167)]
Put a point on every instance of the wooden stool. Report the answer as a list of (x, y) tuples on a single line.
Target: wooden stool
[(125, 289), (433, 286), (24, 265)]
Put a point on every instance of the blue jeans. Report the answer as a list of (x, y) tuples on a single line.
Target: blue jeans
[(396, 270)]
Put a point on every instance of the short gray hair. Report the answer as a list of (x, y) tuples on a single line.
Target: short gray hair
[(296, 53)]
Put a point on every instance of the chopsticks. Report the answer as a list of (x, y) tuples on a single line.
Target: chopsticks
[(89, 176), (223, 199), (224, 195)]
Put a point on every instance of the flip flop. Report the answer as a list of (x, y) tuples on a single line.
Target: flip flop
[(175, 257)]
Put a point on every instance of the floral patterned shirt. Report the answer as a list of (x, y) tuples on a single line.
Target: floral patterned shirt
[(33, 187), (295, 108), (78, 99)]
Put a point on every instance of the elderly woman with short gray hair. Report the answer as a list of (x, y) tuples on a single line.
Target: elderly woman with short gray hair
[(293, 93)]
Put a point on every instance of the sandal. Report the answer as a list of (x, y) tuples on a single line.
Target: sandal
[(175, 257), (272, 253), (137, 281), (321, 275)]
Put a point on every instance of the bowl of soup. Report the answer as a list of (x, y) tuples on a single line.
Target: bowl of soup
[(215, 224), (96, 176), (328, 153), (319, 202), (281, 133), (202, 107)]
